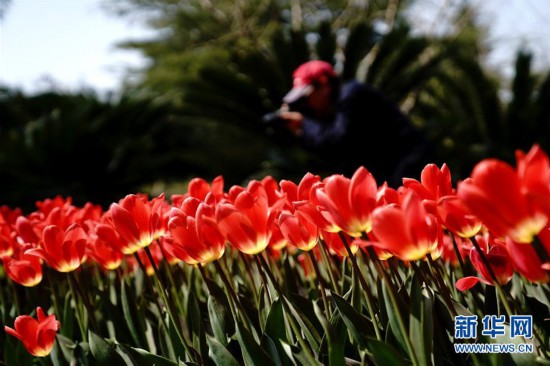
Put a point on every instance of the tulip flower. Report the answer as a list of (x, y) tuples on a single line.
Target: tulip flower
[(336, 245), (7, 237), (102, 250), (64, 251), (300, 192), (194, 231), (406, 231), (348, 203), (527, 262), (509, 202), (37, 336), (434, 183), (199, 188), (246, 223), (137, 221), (498, 259), (457, 218), (22, 268), (298, 231)]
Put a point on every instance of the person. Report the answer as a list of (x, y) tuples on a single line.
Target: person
[(349, 124)]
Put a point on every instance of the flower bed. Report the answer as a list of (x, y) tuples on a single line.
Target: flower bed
[(324, 271)]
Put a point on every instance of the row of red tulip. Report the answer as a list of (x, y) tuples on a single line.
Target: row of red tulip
[(509, 207), (505, 209)]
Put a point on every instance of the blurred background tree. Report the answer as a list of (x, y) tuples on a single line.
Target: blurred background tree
[(215, 68)]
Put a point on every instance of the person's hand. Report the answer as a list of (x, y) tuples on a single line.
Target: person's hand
[(292, 119)]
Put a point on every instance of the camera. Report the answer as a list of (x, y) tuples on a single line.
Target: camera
[(275, 117)]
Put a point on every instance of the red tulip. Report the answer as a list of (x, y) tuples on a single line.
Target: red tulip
[(527, 262), (138, 221), (434, 183), (457, 218), (37, 336), (406, 231), (498, 259), (336, 245), (298, 231), (246, 223), (64, 251), (194, 231), (7, 238), (300, 192), (509, 202), (22, 268), (348, 204)]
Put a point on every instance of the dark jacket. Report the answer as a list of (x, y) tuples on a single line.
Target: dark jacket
[(367, 129)]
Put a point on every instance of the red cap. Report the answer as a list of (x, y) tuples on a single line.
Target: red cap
[(306, 76)]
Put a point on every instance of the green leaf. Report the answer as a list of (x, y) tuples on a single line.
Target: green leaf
[(68, 318), (66, 345), (129, 308), (518, 359), (305, 324), (357, 324), (103, 351), (196, 325), (421, 322), (384, 354), (394, 311), (334, 340), (253, 353), (275, 322), (221, 320), (143, 358), (271, 348), (219, 354)]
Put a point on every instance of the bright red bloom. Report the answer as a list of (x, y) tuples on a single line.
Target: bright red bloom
[(457, 218), (105, 244), (387, 195), (64, 251), (434, 183), (406, 231), (337, 246), (298, 231), (7, 238), (199, 188), (37, 336), (300, 192), (194, 231), (138, 221), (22, 268), (246, 223), (448, 252), (348, 204), (509, 202), (498, 259), (527, 262)]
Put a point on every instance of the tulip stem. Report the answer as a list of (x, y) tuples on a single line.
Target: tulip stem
[(321, 283), (364, 285), (160, 289), (260, 260), (329, 264), (458, 255), (393, 299), (85, 301), (229, 298), (78, 313), (233, 295), (487, 265)]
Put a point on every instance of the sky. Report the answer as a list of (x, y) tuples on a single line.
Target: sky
[(68, 42), (71, 44)]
